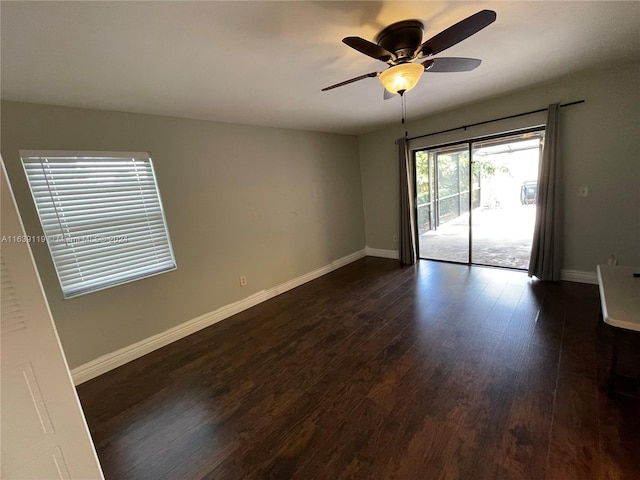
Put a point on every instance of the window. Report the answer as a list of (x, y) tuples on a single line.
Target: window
[(101, 215)]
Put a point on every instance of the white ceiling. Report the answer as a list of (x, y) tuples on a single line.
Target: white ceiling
[(264, 62)]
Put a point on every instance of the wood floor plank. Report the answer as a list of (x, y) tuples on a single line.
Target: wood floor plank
[(347, 370), (374, 371), (522, 453), (574, 440)]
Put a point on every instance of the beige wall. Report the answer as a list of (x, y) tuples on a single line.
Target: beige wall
[(600, 148), (267, 203)]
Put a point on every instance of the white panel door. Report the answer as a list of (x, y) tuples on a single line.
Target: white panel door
[(44, 434)]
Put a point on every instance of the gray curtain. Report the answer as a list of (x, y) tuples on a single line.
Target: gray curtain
[(408, 254), (546, 252)]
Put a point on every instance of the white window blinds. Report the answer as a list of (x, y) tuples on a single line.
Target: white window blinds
[(102, 217)]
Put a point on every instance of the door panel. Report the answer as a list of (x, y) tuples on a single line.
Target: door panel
[(443, 203), (44, 433), (503, 223)]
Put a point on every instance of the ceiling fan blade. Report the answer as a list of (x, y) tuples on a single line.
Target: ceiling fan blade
[(456, 33), (368, 48), (451, 64), (351, 80)]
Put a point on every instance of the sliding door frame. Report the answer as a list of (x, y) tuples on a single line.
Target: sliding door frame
[(469, 142)]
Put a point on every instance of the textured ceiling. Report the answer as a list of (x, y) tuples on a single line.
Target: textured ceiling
[(264, 63)]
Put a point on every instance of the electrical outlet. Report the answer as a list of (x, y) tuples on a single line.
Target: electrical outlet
[(243, 281)]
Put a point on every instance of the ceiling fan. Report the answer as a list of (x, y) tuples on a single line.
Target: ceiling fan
[(399, 46)]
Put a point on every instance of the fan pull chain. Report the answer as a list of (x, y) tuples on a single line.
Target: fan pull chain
[(404, 114)]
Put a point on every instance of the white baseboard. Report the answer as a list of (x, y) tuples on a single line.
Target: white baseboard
[(579, 276), (124, 355), (378, 252)]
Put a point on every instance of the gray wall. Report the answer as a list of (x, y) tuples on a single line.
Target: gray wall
[(267, 203), (600, 149)]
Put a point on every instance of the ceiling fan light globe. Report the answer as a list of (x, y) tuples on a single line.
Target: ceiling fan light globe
[(401, 78)]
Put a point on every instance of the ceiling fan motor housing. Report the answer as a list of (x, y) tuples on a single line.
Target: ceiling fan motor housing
[(402, 39)]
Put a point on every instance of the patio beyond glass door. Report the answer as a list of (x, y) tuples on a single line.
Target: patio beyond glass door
[(495, 226), (502, 226)]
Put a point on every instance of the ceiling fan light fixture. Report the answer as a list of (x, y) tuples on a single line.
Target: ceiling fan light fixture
[(402, 77)]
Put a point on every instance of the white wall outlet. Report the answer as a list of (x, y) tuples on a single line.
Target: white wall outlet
[(243, 281), (583, 191)]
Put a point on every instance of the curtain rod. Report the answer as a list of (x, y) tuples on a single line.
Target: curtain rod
[(464, 127)]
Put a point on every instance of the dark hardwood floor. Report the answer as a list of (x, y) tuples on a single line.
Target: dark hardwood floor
[(376, 372)]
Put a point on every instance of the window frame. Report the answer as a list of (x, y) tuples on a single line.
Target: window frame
[(127, 256)]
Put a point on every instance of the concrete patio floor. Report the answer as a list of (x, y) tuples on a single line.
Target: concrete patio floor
[(501, 237)]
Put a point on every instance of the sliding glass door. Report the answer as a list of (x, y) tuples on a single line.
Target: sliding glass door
[(442, 177), (492, 226)]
